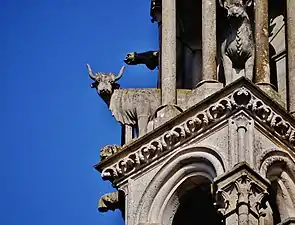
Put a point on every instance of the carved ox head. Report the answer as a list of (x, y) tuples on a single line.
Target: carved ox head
[(235, 8), (104, 82)]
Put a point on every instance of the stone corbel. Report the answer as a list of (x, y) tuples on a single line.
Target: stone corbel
[(241, 195), (111, 201)]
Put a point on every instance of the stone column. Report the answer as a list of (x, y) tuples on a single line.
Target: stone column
[(291, 54), (209, 69), (156, 14), (240, 196), (168, 54), (127, 134), (168, 108), (262, 71)]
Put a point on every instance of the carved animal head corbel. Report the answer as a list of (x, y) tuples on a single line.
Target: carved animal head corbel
[(104, 83), (236, 8), (150, 59)]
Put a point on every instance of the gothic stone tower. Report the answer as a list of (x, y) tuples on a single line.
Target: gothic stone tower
[(215, 142)]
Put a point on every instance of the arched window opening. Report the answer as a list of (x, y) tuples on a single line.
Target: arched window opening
[(196, 207), (281, 196), (277, 46), (273, 203), (273, 67)]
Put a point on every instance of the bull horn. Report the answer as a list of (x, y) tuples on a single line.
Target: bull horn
[(90, 72), (120, 74)]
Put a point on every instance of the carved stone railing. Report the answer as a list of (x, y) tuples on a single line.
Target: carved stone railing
[(240, 99)]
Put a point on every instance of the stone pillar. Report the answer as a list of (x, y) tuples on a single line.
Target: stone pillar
[(209, 69), (168, 54), (160, 52), (127, 133), (168, 108), (156, 14), (240, 196), (262, 68), (242, 123), (262, 71), (291, 55)]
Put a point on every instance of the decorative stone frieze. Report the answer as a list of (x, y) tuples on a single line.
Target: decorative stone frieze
[(241, 196), (240, 99)]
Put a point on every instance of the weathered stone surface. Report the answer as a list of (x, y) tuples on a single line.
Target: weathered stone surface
[(168, 54), (272, 93), (166, 113), (188, 138), (291, 54), (197, 122), (203, 90), (209, 40), (262, 71)]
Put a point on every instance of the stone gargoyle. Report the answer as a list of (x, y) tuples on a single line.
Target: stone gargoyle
[(133, 107), (237, 46), (108, 202), (108, 150), (150, 59)]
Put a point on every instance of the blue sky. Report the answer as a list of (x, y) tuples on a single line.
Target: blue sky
[(52, 123)]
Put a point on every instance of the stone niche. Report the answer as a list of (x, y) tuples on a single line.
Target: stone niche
[(189, 43)]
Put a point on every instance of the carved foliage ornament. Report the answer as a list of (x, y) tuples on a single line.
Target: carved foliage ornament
[(240, 99), (242, 191)]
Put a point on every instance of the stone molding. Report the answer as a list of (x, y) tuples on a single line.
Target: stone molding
[(241, 99), (269, 157), (288, 221)]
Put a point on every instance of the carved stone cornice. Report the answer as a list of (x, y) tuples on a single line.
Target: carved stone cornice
[(241, 95)]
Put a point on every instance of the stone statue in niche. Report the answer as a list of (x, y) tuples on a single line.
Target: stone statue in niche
[(150, 59), (237, 45), (133, 107)]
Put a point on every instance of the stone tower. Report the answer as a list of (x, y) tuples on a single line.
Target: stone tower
[(215, 142)]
